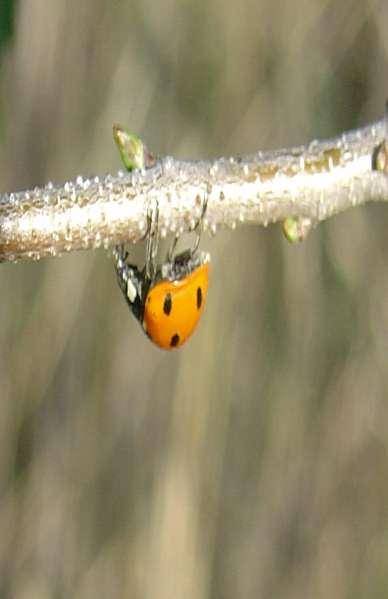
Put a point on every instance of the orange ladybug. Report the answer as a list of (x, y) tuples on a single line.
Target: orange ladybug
[(167, 300), (169, 304)]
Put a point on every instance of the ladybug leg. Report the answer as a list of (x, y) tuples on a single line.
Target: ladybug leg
[(152, 241), (197, 229), (133, 282), (199, 226), (170, 255)]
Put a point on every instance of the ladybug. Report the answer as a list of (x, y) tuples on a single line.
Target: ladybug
[(170, 303), (168, 299)]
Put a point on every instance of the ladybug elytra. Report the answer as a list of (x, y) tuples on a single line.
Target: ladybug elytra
[(169, 306)]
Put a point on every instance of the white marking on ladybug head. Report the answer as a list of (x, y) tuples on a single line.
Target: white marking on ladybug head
[(131, 291)]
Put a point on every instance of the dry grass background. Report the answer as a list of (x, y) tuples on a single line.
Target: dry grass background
[(253, 463)]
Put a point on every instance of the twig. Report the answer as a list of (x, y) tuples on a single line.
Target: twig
[(299, 187)]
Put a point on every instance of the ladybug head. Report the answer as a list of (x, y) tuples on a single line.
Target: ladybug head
[(134, 284)]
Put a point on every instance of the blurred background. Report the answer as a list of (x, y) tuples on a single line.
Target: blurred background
[(253, 462)]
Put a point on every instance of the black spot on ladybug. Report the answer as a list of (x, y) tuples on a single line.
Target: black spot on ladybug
[(174, 340), (199, 298), (167, 304)]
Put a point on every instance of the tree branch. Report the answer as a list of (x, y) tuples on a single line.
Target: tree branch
[(303, 185)]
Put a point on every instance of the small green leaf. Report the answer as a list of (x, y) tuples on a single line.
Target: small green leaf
[(380, 158), (133, 151), (296, 229)]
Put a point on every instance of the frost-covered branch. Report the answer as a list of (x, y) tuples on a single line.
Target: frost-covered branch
[(300, 186)]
